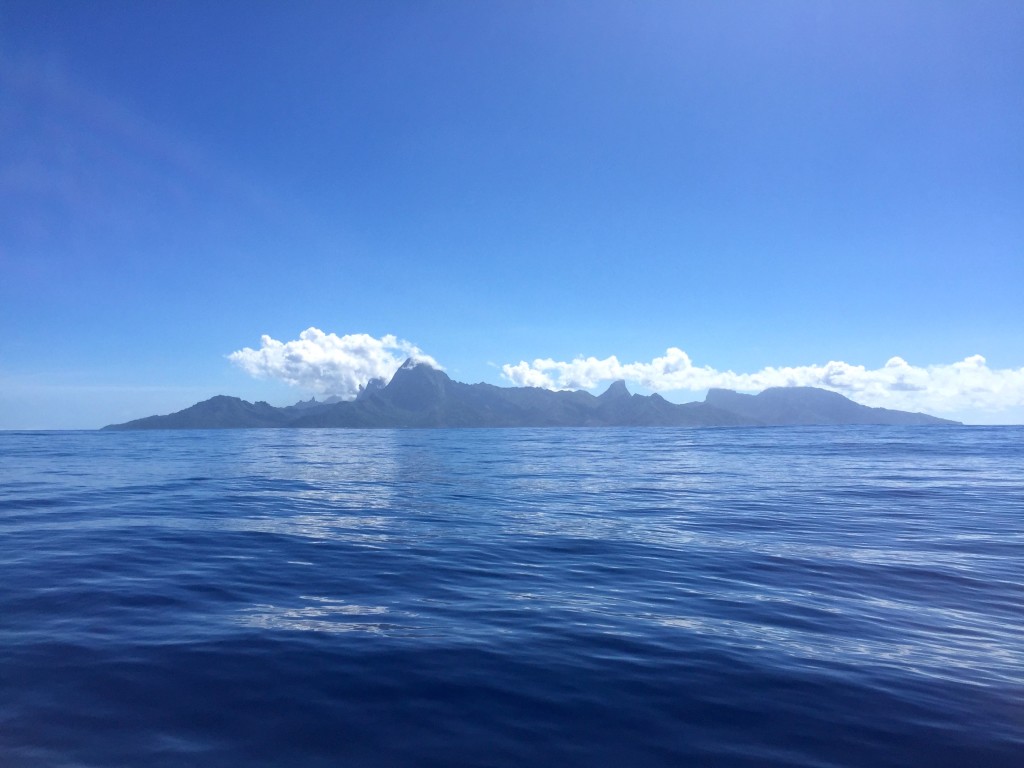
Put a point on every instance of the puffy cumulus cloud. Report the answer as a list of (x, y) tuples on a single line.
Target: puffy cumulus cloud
[(968, 384), (326, 363)]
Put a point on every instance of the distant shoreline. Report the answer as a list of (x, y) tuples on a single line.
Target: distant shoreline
[(420, 396)]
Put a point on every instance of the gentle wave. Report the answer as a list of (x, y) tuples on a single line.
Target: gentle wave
[(733, 597)]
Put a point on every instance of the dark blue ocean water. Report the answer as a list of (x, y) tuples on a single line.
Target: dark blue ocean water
[(589, 597)]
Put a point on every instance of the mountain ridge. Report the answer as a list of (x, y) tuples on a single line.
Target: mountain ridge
[(420, 396)]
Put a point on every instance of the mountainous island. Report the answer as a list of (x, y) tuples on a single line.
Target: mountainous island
[(419, 395)]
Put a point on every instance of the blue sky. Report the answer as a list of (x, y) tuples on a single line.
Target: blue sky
[(513, 188)]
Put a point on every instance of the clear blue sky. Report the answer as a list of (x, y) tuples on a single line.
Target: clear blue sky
[(758, 184)]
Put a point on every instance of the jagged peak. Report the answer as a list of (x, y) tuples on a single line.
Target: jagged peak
[(615, 390), (416, 362), (413, 368), (372, 386), (416, 385)]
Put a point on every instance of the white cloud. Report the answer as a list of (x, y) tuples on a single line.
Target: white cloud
[(326, 363), (966, 385)]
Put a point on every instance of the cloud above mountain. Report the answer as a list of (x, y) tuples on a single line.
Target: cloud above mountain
[(326, 363), (968, 384)]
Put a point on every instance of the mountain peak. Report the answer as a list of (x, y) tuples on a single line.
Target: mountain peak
[(420, 395), (372, 386), (416, 386), (414, 362), (616, 390)]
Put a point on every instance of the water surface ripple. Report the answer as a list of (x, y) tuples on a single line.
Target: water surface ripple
[(576, 597)]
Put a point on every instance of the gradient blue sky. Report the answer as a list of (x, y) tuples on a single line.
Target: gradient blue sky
[(758, 184)]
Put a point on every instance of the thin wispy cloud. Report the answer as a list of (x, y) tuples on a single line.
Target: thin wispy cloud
[(326, 363), (83, 152), (82, 163), (945, 388)]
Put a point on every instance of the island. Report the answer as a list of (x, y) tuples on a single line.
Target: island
[(419, 396)]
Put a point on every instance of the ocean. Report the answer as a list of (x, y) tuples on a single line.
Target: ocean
[(820, 596)]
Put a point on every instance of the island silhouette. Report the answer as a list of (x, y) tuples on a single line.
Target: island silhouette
[(420, 395)]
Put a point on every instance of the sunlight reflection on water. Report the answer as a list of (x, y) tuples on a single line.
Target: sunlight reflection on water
[(804, 596)]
